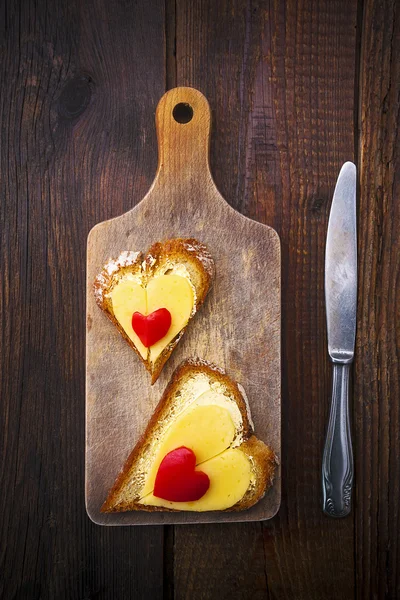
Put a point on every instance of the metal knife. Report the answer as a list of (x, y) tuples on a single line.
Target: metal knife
[(341, 306)]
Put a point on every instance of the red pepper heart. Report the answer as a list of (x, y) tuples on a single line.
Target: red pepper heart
[(176, 478), (151, 328)]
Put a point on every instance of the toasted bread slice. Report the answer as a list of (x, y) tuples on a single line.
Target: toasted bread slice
[(206, 411), (176, 274)]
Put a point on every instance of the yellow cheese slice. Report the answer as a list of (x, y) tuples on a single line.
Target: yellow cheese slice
[(128, 297), (174, 293), (207, 430), (230, 477)]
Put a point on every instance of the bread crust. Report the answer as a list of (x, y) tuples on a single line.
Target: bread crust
[(264, 463), (262, 457), (189, 252)]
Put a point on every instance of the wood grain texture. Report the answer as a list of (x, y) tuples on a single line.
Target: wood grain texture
[(80, 83), (315, 129), (76, 148), (241, 313), (283, 104), (377, 388)]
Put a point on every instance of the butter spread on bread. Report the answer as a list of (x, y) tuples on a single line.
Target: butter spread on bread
[(205, 412), (174, 276)]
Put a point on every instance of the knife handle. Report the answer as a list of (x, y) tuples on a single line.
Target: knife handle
[(337, 462)]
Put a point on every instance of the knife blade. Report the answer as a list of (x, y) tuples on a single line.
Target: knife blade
[(341, 312)]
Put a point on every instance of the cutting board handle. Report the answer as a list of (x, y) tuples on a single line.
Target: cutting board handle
[(183, 120)]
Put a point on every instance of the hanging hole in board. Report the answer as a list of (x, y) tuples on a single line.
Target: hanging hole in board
[(182, 113)]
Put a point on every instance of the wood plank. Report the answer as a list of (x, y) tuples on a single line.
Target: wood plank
[(232, 564), (77, 146), (377, 389), (313, 81), (280, 80)]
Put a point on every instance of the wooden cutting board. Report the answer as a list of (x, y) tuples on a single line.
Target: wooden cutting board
[(238, 328)]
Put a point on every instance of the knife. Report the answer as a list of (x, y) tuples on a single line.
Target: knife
[(341, 306)]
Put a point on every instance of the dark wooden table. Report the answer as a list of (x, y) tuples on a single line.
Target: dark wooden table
[(296, 88)]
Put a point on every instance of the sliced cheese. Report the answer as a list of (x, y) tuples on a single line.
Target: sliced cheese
[(219, 399), (230, 477), (128, 297), (174, 293), (207, 430)]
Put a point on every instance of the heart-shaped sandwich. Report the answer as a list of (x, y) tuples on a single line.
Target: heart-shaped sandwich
[(198, 452), (152, 298)]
